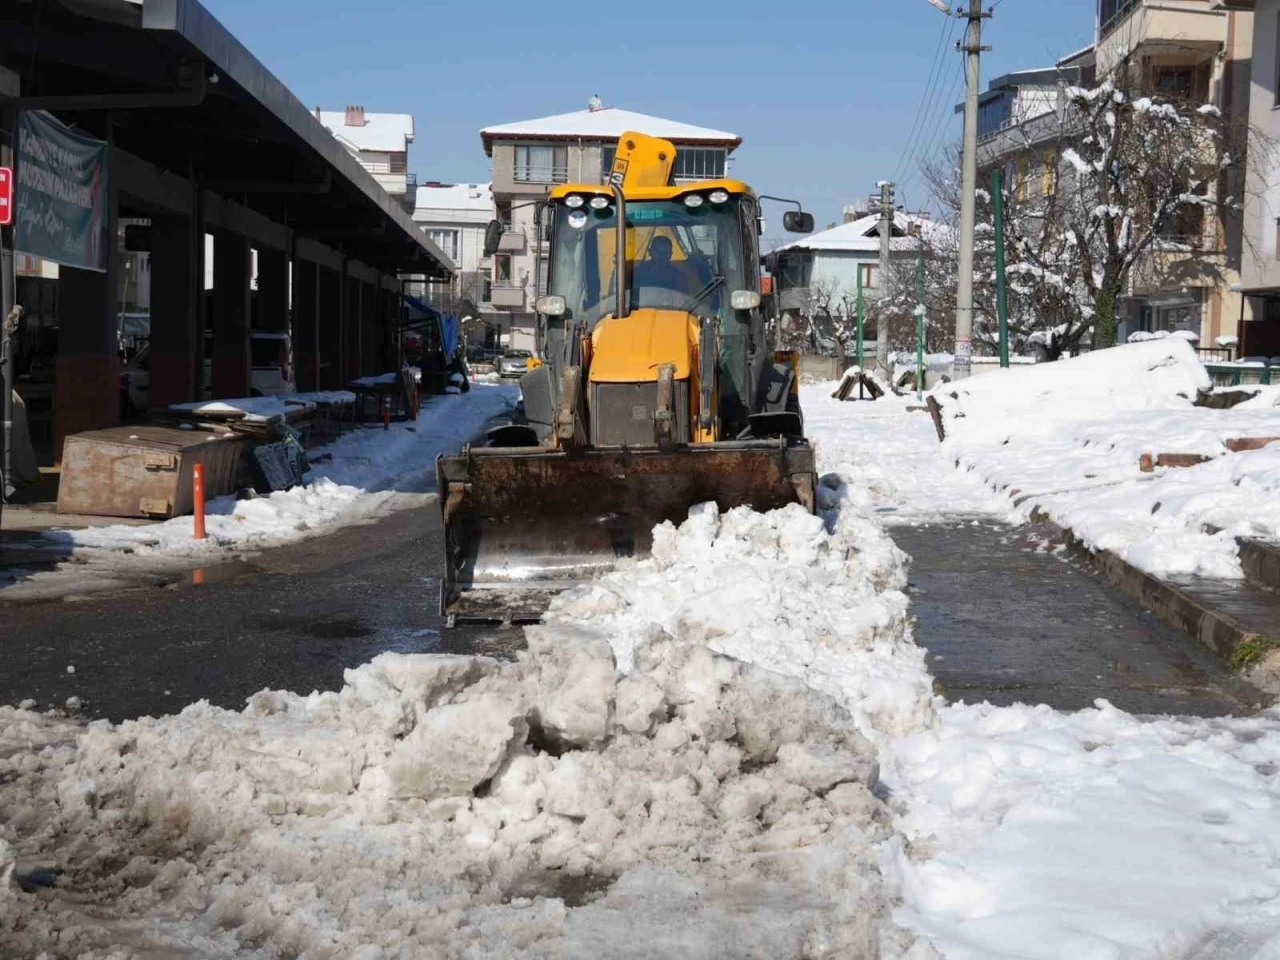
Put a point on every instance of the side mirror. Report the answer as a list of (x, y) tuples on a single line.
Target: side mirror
[(493, 237), (797, 221)]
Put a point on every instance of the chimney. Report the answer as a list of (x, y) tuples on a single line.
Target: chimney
[(851, 213), (355, 117), (317, 112), (595, 103)]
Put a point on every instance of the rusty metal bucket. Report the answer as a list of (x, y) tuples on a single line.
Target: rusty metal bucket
[(524, 524)]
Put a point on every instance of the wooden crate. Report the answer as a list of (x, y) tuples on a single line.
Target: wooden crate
[(143, 471)]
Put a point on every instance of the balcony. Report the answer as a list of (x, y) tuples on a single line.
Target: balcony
[(506, 295), (512, 240)]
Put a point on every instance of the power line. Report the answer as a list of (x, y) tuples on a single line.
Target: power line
[(926, 148), (948, 27)]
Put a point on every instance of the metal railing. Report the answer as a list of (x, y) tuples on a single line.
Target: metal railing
[(541, 174), (1243, 373), (1112, 12), (1214, 354)]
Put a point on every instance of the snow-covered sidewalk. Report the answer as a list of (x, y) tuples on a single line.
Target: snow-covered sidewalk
[(364, 474), (1068, 438), (1036, 834)]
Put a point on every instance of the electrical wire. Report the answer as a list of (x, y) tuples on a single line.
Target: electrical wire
[(948, 27), (925, 149)]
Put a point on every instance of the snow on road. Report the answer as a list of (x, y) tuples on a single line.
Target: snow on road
[(1040, 835)]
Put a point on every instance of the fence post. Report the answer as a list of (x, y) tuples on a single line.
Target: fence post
[(1002, 296)]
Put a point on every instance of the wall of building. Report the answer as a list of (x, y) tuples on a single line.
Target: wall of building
[(1261, 258), (1188, 22)]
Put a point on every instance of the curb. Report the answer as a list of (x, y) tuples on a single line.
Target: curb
[(1239, 646), (1261, 562)]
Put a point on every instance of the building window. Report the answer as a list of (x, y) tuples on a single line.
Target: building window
[(1183, 316), (542, 164), (1049, 178), (694, 163), (1020, 181), (399, 163), (502, 268), (870, 274), (446, 240)]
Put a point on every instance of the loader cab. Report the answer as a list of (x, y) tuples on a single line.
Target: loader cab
[(692, 249)]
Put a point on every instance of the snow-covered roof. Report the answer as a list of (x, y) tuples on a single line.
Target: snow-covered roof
[(381, 133), (862, 235), (606, 123), (456, 196)]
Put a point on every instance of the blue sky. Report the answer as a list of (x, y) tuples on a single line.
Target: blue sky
[(823, 92)]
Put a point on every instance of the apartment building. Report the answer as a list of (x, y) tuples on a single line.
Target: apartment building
[(531, 156), (380, 141), (454, 217), (1197, 51), (1260, 330)]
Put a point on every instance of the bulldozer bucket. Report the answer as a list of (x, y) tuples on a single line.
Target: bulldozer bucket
[(522, 524)]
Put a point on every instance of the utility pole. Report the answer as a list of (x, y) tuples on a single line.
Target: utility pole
[(886, 234), (920, 315), (8, 312), (968, 188)]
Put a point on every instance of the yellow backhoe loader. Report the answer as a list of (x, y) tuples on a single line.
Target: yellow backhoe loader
[(655, 389)]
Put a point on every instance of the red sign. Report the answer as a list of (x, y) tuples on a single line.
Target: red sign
[(6, 196)]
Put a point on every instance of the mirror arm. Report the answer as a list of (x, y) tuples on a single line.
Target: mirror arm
[(620, 264)]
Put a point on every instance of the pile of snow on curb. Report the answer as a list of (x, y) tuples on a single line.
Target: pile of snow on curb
[(1068, 438)]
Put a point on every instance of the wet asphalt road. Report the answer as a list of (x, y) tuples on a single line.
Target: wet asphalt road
[(292, 618), (1006, 620), (1002, 622)]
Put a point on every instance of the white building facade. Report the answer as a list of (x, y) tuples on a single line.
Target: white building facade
[(380, 141), (454, 216)]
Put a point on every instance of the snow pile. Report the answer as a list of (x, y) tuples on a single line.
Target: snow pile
[(262, 409), (1068, 438), (458, 807), (780, 591), (1092, 834)]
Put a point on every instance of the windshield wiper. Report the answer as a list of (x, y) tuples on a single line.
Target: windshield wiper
[(705, 291)]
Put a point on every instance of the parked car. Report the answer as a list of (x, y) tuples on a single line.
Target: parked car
[(271, 375), (514, 363)]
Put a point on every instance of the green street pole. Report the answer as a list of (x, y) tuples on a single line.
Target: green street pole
[(920, 311), (861, 318), (1002, 298)]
